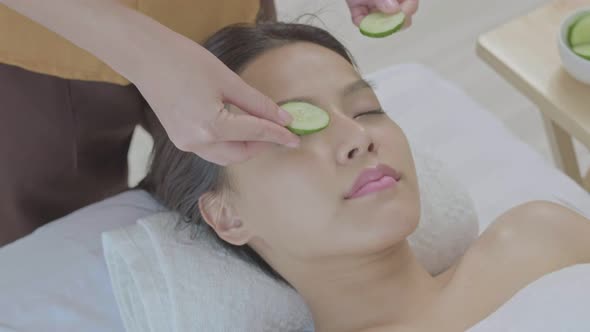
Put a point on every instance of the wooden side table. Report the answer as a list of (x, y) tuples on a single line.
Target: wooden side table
[(524, 51)]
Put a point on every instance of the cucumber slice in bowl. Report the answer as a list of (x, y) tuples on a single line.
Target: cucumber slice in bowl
[(379, 25), (580, 31), (582, 50), (307, 118)]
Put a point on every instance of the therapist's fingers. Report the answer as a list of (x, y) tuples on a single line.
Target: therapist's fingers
[(387, 6), (245, 127), (409, 7), (361, 8), (407, 22), (239, 93), (358, 13)]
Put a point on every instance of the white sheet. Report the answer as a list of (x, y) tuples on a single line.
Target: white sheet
[(557, 302), (56, 280)]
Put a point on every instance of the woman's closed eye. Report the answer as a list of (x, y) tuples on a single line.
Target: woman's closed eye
[(373, 112)]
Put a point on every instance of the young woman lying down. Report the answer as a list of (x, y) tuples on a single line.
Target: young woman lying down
[(332, 217)]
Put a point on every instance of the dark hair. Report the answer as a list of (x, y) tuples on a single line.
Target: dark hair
[(176, 178)]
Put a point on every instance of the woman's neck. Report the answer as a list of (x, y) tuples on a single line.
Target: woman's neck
[(387, 288)]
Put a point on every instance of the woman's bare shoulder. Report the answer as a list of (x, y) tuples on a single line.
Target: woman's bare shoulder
[(536, 232), (522, 245)]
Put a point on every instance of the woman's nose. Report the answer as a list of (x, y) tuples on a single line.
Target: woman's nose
[(357, 145)]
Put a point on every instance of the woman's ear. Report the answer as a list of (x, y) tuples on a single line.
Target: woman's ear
[(218, 214)]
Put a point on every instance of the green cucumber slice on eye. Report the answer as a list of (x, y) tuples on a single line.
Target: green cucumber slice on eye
[(582, 50), (379, 25), (307, 118)]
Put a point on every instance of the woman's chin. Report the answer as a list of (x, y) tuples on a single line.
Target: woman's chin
[(387, 230)]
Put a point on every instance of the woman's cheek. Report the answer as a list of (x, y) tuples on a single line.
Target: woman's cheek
[(383, 136)]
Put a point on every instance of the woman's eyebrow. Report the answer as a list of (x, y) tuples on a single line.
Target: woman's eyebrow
[(359, 84)]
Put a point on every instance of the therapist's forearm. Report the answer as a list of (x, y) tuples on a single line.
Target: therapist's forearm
[(121, 37)]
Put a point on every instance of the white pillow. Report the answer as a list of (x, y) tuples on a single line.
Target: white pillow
[(56, 278), (163, 280), (448, 223)]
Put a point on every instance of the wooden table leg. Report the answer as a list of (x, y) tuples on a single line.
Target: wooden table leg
[(562, 149)]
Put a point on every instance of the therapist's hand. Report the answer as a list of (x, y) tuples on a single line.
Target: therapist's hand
[(361, 8), (185, 85), (187, 89)]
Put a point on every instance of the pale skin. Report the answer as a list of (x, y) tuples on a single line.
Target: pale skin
[(349, 259), (189, 100)]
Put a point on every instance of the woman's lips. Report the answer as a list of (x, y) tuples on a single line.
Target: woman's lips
[(372, 180)]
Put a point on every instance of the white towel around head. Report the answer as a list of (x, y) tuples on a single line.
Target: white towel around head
[(165, 281)]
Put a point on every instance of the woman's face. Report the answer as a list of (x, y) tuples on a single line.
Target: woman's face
[(293, 202)]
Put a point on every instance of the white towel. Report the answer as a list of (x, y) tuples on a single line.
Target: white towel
[(165, 281)]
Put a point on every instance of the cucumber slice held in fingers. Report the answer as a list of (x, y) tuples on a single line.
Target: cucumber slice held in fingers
[(307, 118), (379, 25)]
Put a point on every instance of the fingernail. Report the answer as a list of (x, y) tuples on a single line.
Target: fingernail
[(293, 145), (391, 4), (285, 116)]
